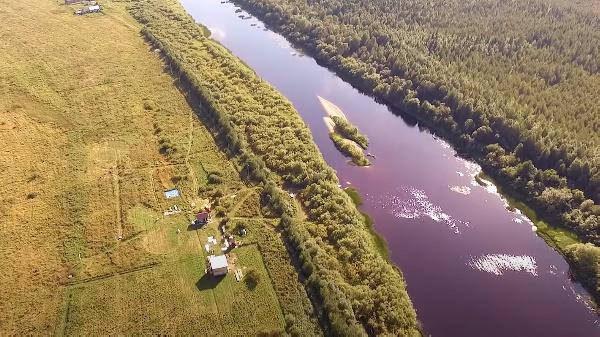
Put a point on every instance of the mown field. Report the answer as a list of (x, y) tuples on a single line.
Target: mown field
[(93, 131)]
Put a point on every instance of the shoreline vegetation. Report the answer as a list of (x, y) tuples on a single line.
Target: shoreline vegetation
[(524, 141), (353, 288), (344, 135), (582, 257), (378, 240)]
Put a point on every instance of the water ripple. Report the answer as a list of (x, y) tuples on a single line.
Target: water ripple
[(497, 264), (412, 203)]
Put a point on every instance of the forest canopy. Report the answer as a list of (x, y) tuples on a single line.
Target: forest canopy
[(514, 84)]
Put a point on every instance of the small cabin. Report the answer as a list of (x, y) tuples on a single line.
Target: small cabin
[(217, 265), (204, 216)]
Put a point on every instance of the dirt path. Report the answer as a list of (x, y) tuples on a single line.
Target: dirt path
[(192, 173), (117, 195)]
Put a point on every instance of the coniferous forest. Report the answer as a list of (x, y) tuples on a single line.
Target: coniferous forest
[(514, 84)]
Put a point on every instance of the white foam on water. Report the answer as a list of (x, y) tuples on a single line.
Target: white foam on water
[(466, 190), (412, 203), (217, 33), (498, 264), (442, 142)]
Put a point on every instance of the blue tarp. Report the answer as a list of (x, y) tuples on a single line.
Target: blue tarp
[(170, 194)]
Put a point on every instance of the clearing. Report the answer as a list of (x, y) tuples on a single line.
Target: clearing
[(94, 130)]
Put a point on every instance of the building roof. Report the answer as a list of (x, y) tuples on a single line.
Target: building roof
[(170, 194), (217, 262), (202, 216)]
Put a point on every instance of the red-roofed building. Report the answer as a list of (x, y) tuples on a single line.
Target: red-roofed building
[(204, 216)]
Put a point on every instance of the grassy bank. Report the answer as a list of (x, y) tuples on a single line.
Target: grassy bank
[(355, 291), (348, 139), (378, 240), (349, 149), (350, 131)]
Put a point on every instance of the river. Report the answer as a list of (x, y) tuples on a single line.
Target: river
[(473, 267)]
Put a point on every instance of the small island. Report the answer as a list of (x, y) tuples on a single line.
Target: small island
[(345, 136)]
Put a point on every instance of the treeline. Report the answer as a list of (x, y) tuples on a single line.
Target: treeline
[(587, 264), (357, 291), (514, 84)]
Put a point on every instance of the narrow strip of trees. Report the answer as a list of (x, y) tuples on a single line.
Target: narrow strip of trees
[(357, 291)]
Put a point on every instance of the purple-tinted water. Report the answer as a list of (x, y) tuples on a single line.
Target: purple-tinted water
[(473, 268)]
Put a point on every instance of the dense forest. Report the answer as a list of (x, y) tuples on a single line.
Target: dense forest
[(355, 289), (513, 84)]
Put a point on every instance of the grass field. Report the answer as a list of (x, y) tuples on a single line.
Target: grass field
[(94, 130)]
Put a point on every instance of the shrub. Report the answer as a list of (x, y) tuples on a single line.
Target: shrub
[(252, 278)]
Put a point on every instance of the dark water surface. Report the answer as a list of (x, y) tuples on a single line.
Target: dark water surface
[(473, 268)]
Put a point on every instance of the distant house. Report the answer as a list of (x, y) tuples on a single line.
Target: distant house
[(89, 9), (217, 265)]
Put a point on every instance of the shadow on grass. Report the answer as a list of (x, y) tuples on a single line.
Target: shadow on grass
[(207, 281), (195, 226)]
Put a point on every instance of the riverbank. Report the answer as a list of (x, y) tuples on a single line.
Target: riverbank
[(435, 233), (550, 193), (562, 240), (378, 239)]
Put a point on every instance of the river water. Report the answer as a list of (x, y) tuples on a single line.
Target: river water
[(473, 267)]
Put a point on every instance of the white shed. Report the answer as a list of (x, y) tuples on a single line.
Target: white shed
[(217, 265)]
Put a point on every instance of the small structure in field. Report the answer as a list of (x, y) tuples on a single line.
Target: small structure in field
[(217, 265), (172, 210), (203, 217), (170, 194), (72, 2), (229, 243), (88, 10)]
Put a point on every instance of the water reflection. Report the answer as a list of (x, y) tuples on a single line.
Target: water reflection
[(413, 203), (497, 264)]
